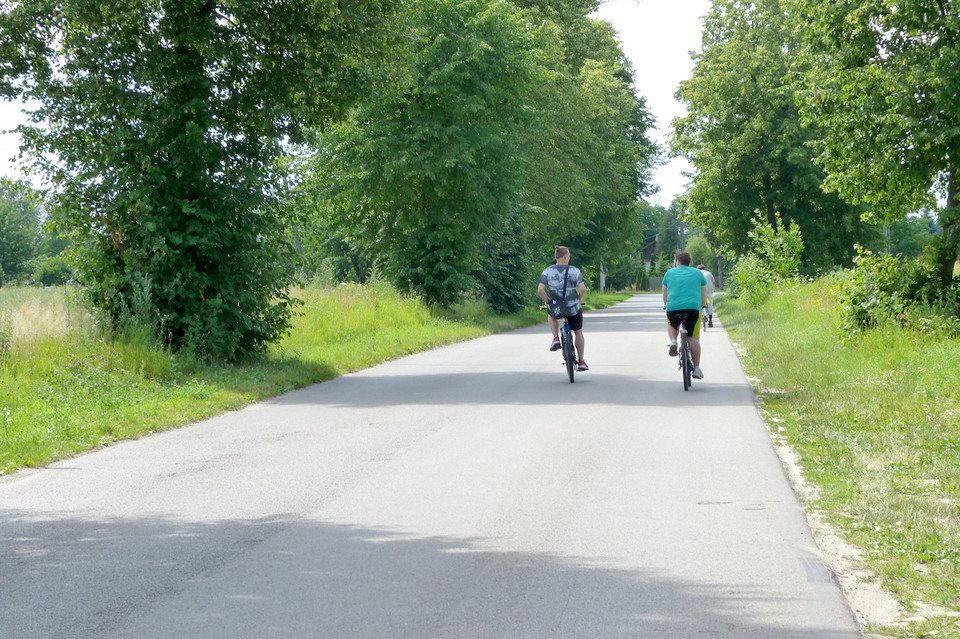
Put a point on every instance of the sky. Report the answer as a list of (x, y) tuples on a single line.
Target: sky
[(657, 36)]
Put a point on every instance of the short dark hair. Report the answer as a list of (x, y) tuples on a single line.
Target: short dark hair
[(560, 251), (683, 257)]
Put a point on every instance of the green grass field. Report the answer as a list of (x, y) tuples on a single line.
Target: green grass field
[(67, 387), (875, 420)]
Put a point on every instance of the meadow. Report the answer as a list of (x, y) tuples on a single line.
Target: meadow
[(67, 385)]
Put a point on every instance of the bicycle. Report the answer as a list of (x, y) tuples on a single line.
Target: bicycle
[(683, 352), (703, 325), (567, 348)]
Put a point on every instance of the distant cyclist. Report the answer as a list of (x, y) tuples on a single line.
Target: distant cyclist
[(685, 291), (711, 285), (562, 285)]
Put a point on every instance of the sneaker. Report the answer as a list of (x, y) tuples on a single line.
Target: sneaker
[(582, 366), (555, 346), (673, 349), (697, 373)]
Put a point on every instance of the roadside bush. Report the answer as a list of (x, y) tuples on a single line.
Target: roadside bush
[(53, 271), (774, 257), (883, 289), (751, 280)]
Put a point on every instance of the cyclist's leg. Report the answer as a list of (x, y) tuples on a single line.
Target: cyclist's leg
[(554, 326), (576, 324), (694, 340)]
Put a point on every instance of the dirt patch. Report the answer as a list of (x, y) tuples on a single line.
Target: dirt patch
[(870, 602)]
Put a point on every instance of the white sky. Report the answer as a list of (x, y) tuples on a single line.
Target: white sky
[(10, 116), (657, 36)]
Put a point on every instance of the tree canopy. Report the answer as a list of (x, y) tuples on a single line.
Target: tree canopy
[(157, 125), (744, 138), (880, 80)]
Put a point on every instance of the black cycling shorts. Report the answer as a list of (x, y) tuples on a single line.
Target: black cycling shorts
[(691, 323)]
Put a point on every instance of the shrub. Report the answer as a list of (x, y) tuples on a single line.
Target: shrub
[(885, 288), (752, 279), (53, 271), (774, 258)]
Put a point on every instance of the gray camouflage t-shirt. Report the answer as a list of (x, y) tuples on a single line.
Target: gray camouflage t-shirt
[(552, 277)]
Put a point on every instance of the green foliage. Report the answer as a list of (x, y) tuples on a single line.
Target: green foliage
[(743, 136), (431, 166), (506, 268), (53, 271), (885, 289), (751, 279), (157, 124), (19, 230), (702, 253), (880, 81), (773, 258), (779, 245)]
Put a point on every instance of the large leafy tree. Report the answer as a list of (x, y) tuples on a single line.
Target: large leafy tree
[(743, 136), (590, 158), (881, 82), (424, 172), (19, 230), (157, 124)]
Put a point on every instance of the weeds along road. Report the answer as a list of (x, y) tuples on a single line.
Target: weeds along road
[(466, 492)]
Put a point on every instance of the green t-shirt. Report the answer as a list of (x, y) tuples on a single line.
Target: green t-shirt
[(683, 288)]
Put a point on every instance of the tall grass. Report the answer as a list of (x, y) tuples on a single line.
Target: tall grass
[(875, 420), (66, 386)]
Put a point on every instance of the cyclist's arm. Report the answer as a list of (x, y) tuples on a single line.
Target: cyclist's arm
[(542, 292), (664, 296), (582, 290), (704, 298)]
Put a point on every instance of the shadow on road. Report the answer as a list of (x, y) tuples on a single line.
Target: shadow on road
[(629, 388), (289, 577)]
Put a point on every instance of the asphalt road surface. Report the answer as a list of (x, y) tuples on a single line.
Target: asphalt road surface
[(466, 492)]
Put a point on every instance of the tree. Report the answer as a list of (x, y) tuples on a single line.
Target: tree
[(19, 229), (743, 136), (158, 123), (880, 81), (590, 159), (427, 170)]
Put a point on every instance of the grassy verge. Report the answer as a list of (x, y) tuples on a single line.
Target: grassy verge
[(875, 420), (65, 387)]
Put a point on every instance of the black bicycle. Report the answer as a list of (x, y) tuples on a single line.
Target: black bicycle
[(683, 352), (567, 348)]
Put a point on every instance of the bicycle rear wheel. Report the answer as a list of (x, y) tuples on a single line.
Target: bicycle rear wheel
[(686, 365), (569, 353)]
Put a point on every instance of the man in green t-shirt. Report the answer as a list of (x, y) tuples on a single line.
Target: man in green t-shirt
[(684, 292)]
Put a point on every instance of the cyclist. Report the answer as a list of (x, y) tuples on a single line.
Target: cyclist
[(562, 285), (684, 291), (711, 284)]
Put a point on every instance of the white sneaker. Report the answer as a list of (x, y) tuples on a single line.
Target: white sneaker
[(697, 373)]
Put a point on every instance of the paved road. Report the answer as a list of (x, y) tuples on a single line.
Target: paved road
[(468, 492)]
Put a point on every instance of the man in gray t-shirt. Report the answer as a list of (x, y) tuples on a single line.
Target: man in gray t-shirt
[(564, 284)]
